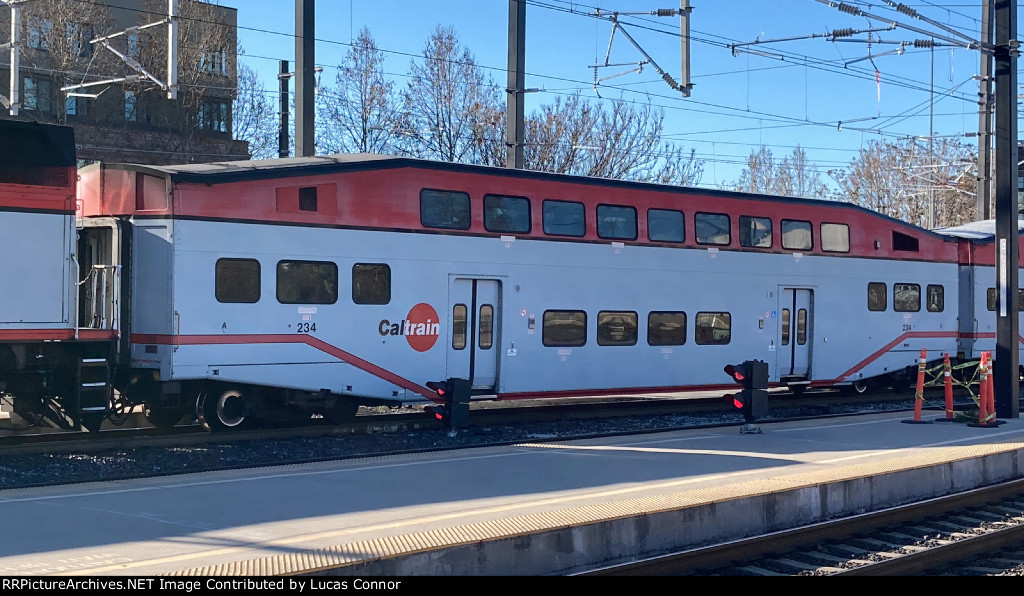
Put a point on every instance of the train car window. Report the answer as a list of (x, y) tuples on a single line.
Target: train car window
[(237, 280), (801, 326), (712, 228), (444, 209), (307, 282), (665, 225), (906, 297), (755, 231), (1020, 300), (713, 328), (307, 198), (785, 326), (459, 326), (565, 328), (616, 328), (507, 214), (616, 222), (371, 283), (835, 237), (796, 235), (564, 218), (666, 328), (936, 298), (990, 296), (486, 333), (904, 242), (877, 299)]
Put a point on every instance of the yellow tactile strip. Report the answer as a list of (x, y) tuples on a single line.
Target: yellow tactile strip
[(511, 527)]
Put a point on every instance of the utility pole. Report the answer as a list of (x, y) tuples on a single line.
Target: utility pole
[(304, 77), (983, 206), (514, 118), (1007, 357), (282, 133)]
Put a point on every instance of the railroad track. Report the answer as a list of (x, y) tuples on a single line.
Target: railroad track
[(978, 532)]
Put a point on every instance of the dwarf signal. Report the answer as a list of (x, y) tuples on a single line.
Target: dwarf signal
[(752, 400)]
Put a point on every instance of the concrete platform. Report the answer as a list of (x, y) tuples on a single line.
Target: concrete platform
[(528, 509)]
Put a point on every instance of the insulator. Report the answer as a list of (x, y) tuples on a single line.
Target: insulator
[(924, 43), (666, 12), (847, 8), (910, 12), (842, 33)]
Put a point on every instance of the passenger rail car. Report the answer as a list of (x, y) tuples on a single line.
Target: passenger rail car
[(312, 285)]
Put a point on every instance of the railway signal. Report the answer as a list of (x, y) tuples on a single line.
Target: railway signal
[(453, 412), (752, 399)]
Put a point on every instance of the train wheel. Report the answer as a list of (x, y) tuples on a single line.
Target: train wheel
[(343, 410), (855, 388), (221, 411), (162, 417)]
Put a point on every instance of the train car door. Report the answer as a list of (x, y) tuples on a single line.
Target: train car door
[(475, 310), (796, 323)]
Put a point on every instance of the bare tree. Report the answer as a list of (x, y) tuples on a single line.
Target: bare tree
[(362, 112), (453, 112), (255, 116), (791, 177), (574, 136), (905, 178)]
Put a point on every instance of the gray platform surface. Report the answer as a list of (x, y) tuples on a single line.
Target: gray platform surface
[(528, 509)]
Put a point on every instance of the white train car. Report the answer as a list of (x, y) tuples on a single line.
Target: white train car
[(322, 283)]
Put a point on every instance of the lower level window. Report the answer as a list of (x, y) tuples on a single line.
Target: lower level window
[(565, 328), (713, 328)]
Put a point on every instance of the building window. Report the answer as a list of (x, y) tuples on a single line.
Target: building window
[(506, 214), (713, 328), (131, 112), (666, 328), (877, 300), (835, 237), (132, 44), (565, 328), (616, 328), (755, 232), (371, 283), (307, 282), (444, 209), (796, 235), (564, 218), (238, 280), (213, 116), (665, 225), (79, 35), (38, 95), (214, 62), (616, 222), (906, 297), (712, 228), (39, 32)]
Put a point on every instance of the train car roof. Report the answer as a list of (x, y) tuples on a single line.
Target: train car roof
[(982, 230)]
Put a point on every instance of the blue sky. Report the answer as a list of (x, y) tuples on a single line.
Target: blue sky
[(809, 91)]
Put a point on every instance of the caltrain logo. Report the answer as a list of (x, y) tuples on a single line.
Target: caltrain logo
[(421, 327)]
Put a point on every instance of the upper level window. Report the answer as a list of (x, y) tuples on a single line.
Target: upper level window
[(564, 218), (39, 32), (506, 214), (755, 231), (214, 62), (796, 235), (665, 225), (712, 228), (835, 237), (444, 209), (616, 222)]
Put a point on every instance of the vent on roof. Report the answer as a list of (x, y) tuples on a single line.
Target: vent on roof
[(903, 242)]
